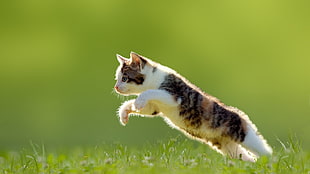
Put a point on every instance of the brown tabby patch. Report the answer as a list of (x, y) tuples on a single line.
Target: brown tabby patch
[(133, 74)]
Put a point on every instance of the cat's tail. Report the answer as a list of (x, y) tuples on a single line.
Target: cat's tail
[(255, 142)]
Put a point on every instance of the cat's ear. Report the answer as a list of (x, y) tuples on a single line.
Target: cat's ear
[(137, 60), (121, 59)]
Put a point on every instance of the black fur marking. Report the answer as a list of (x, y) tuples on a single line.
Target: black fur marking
[(154, 69), (123, 67), (190, 107), (229, 119), (194, 134), (216, 143), (155, 113), (137, 80), (143, 62)]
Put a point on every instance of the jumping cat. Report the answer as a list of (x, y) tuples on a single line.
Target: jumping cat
[(163, 92)]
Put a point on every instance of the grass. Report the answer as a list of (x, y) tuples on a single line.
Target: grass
[(173, 156)]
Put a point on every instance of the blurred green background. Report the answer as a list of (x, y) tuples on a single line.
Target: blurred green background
[(57, 65)]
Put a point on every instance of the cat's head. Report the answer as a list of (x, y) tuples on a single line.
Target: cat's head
[(131, 74)]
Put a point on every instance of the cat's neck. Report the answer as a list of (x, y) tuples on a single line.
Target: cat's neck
[(156, 75)]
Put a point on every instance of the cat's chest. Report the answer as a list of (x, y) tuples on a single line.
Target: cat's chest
[(172, 113), (168, 111)]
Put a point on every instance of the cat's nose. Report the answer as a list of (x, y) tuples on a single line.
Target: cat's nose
[(116, 88)]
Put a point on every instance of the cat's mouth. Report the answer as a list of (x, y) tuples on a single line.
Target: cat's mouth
[(116, 88)]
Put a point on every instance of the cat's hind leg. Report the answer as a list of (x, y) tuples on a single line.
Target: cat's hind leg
[(236, 151)]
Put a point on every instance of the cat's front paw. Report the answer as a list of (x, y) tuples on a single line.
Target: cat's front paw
[(124, 111), (140, 103)]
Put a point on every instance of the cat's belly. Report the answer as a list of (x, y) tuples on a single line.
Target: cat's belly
[(173, 118)]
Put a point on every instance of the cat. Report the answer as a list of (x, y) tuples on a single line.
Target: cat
[(163, 92)]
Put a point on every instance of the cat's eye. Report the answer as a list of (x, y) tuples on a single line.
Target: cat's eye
[(124, 79)]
